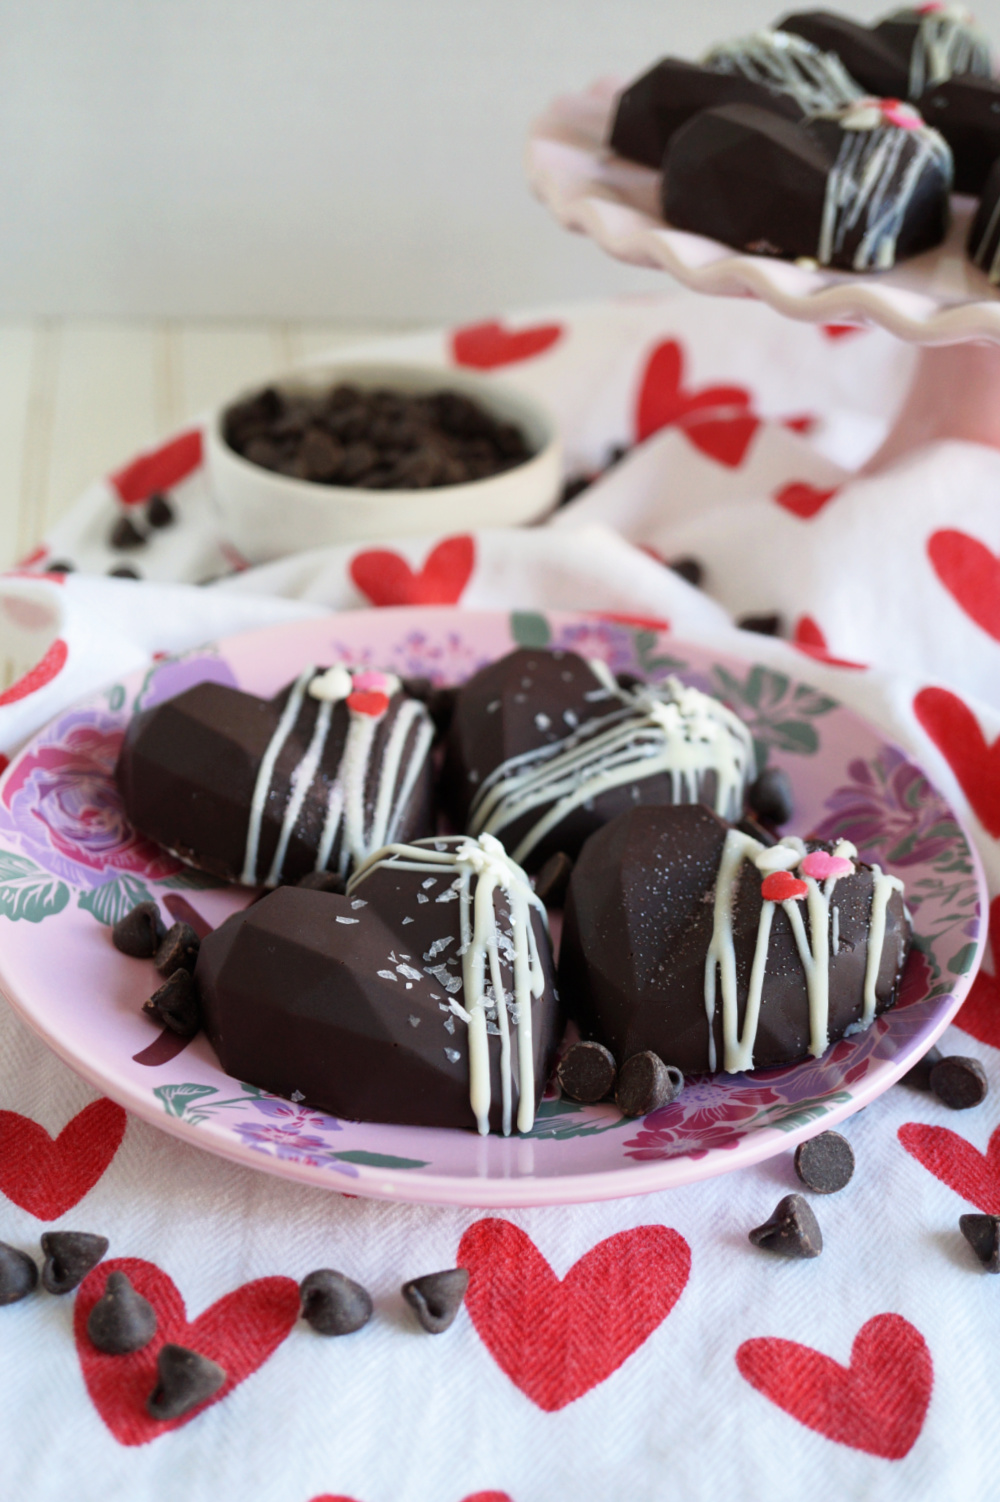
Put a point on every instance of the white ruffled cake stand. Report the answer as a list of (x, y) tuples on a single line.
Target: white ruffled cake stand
[(938, 300)]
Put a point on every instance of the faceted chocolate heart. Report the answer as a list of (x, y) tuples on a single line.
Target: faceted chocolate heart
[(879, 67), (360, 1004), (645, 952), (265, 790), (544, 747)]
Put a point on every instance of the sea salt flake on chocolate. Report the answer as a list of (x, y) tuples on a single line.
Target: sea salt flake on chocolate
[(341, 919), (386, 974), (452, 1055)]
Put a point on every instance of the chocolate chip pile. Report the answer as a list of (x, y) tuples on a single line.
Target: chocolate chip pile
[(374, 439)]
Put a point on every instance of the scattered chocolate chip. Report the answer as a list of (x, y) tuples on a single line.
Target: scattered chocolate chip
[(69, 1256), (436, 1298), (553, 879), (689, 569), (587, 1072), (176, 1005), (959, 1083), (60, 567), (159, 512), (125, 534), (757, 831), (825, 1163), (982, 1232), (333, 1304), (18, 1274), (323, 881), (184, 1379), (762, 625), (178, 950), (574, 487), (140, 932), (645, 1084), (122, 1320), (919, 1077), (124, 571), (792, 1231), (770, 797)]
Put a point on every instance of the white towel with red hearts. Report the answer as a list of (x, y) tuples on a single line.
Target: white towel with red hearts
[(641, 1347)]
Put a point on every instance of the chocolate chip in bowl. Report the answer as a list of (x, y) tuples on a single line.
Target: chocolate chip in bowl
[(348, 452)]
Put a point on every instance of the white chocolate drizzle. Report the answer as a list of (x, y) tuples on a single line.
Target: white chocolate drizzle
[(982, 256), (345, 813), (817, 80), (816, 950), (487, 1006), (947, 43), (872, 183), (653, 729)]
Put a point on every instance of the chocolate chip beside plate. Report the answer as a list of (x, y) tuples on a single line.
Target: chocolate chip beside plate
[(553, 879), (178, 950), (125, 534), (645, 1084), (323, 881), (959, 1083), (69, 1256), (792, 1231), (689, 569), (587, 1072), (159, 512), (825, 1163), (436, 1298), (140, 932), (333, 1304), (121, 1321), (919, 1077), (982, 1232), (176, 1005), (184, 1379), (770, 797), (762, 625), (18, 1274)]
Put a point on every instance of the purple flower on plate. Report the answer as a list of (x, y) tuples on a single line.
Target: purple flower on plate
[(175, 674), (710, 1113), (291, 1145), (890, 809), (62, 804), (610, 640), (294, 1117)]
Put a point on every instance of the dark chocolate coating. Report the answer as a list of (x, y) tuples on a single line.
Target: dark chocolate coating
[(879, 67), (662, 100), (899, 33), (984, 236), (495, 718), (755, 181), (293, 1002), (967, 113), (637, 928), (188, 766)]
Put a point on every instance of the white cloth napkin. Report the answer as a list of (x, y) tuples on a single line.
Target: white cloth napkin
[(634, 1376)]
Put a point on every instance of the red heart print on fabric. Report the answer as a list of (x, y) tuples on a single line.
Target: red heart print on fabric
[(160, 469), (971, 575), (955, 731), (239, 1331), (802, 499), (808, 637), (804, 422), (49, 1175), (972, 1174), (485, 346), (387, 579), (555, 1339), (979, 1015), (877, 1404), (37, 677), (716, 419)]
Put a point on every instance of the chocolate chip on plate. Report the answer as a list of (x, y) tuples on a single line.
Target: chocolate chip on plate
[(159, 512), (645, 1084), (18, 1274), (334, 1304), (121, 1321), (825, 1163), (770, 797), (749, 825), (792, 1231), (178, 950), (762, 625), (125, 534), (587, 1072), (982, 1232), (139, 932), (184, 1379), (436, 1298), (959, 1083), (176, 1005), (323, 881), (69, 1256), (919, 1077), (553, 879), (689, 569)]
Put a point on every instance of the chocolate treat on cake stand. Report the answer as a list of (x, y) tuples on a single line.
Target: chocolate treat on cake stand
[(938, 300)]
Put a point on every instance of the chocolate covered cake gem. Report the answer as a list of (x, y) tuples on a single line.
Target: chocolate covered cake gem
[(817, 80)]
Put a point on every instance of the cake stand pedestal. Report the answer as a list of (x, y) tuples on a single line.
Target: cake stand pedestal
[(938, 300)]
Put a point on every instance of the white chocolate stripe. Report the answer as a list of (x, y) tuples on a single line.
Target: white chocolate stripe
[(301, 779), (884, 888), (265, 772)]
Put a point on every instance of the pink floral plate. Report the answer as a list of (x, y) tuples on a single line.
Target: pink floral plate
[(70, 865)]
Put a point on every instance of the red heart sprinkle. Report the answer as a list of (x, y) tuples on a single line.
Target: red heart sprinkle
[(368, 703), (780, 886)]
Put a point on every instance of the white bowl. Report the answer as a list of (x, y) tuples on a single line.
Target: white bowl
[(269, 515)]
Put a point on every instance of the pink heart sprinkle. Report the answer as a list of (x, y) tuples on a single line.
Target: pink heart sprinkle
[(819, 865), (371, 682)]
